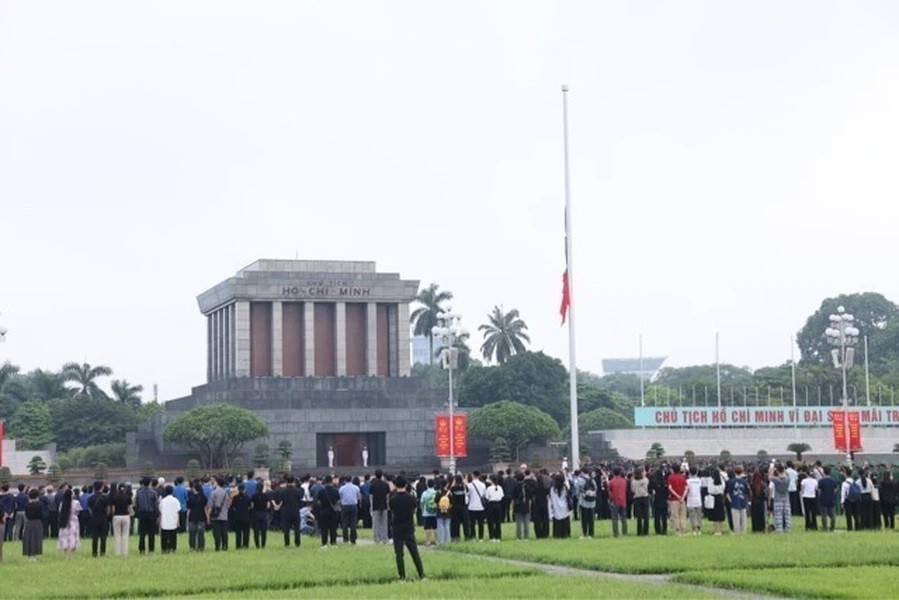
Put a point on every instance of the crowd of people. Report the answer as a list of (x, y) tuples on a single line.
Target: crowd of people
[(758, 498)]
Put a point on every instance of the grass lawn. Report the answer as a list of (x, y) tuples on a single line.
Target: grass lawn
[(655, 554), (816, 582)]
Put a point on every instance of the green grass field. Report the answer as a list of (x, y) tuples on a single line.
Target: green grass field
[(815, 564)]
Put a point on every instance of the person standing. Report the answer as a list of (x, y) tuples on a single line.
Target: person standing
[(350, 499), (476, 489), (196, 518), (329, 511), (330, 457), (459, 503), (100, 506), (287, 502), (827, 500), (888, 500), (121, 520), (33, 530), (260, 505), (444, 513), (559, 510), (677, 494), (428, 503), (540, 507), (217, 506), (180, 492), (493, 495), (18, 525), (618, 501), (69, 533), (169, 507), (640, 494), (780, 481), (402, 507), (379, 490), (865, 503), (808, 490), (716, 491), (147, 507), (658, 491), (241, 517), (7, 512), (365, 457), (793, 490), (587, 502), (522, 498), (737, 492), (850, 494)]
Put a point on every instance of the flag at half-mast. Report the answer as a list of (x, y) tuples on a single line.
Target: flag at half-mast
[(566, 291)]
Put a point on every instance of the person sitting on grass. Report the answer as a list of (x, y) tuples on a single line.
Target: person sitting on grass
[(402, 507)]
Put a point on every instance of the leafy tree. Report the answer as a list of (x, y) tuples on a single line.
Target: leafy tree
[(895, 447), (148, 409), (11, 392), (500, 452), (504, 335), (101, 471), (424, 318), (725, 456), (872, 312), (690, 457), (215, 431), (464, 352), (238, 464), (602, 419), (762, 456), (53, 473), (656, 451), (532, 378), (124, 392), (285, 450), (261, 455), (799, 448), (5, 475), (193, 468), (517, 423), (32, 425), (36, 465), (46, 385), (85, 420), (84, 377), (591, 397), (64, 462)]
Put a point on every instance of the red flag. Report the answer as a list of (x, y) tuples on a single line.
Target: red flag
[(566, 297)]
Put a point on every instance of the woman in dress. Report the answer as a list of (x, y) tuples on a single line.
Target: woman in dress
[(33, 533), (716, 491), (69, 538)]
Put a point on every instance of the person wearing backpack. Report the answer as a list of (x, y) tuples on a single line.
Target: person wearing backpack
[(587, 502), (850, 494), (428, 503), (443, 513), (522, 496)]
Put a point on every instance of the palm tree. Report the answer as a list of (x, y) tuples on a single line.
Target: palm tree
[(503, 335), (124, 392), (85, 378), (46, 385), (424, 318), (7, 371)]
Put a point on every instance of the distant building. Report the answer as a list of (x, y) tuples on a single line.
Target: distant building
[(421, 350), (648, 370)]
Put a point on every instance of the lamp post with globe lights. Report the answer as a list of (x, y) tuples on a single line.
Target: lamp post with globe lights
[(843, 335), (448, 330)]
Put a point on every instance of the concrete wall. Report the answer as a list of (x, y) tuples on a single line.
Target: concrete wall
[(17, 460), (633, 443), (298, 408)]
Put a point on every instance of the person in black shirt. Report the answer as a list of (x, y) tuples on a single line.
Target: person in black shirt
[(403, 508), (288, 502), (100, 506), (240, 514), (379, 489), (196, 517), (328, 512), (458, 508), (259, 505)]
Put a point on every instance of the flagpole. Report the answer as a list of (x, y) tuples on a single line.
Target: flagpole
[(867, 376), (572, 359), (717, 370), (642, 399)]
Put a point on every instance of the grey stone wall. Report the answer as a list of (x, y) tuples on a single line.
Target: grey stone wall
[(296, 409)]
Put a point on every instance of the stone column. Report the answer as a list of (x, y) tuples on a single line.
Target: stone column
[(404, 362), (340, 337), (309, 337), (393, 336), (217, 349), (371, 339), (277, 340), (242, 339), (226, 345), (208, 348)]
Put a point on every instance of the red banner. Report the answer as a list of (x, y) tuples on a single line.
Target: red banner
[(442, 436), (459, 436), (840, 422)]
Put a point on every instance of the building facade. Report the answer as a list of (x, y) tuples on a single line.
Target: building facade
[(320, 350)]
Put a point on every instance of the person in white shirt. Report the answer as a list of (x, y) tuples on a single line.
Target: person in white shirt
[(476, 513), (169, 507), (809, 492), (494, 498), (694, 501), (793, 489)]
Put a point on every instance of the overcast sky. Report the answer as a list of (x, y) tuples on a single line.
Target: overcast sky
[(732, 165)]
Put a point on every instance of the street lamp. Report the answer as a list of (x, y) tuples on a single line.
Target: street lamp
[(3, 331), (448, 330), (843, 334)]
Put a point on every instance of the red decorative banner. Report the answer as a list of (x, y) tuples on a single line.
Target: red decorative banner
[(460, 435), (442, 436), (840, 422)]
